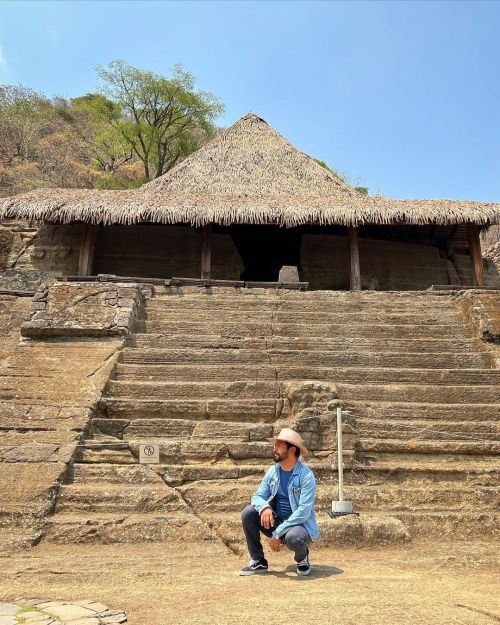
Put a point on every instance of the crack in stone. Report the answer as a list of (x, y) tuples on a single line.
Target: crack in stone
[(106, 360), (213, 531)]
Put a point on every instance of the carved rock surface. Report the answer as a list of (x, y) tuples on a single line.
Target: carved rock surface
[(83, 309)]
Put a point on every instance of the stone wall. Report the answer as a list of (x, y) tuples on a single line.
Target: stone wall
[(464, 270), (50, 385), (163, 252), (30, 258), (482, 312), (384, 265)]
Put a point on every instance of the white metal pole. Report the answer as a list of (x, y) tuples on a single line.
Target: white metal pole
[(339, 454)]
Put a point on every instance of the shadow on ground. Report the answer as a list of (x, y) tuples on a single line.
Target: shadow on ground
[(317, 571)]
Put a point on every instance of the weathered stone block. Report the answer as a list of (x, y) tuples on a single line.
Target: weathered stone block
[(85, 309), (157, 428), (204, 450), (482, 312), (219, 429), (289, 273), (111, 427), (242, 451), (260, 432), (29, 487)]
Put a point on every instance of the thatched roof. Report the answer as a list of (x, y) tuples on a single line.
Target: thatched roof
[(248, 174)]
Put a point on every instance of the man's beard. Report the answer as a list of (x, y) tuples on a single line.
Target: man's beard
[(278, 458)]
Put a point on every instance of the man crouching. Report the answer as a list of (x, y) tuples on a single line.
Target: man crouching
[(283, 507)]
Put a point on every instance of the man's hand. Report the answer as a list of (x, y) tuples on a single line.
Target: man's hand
[(267, 518), (275, 544)]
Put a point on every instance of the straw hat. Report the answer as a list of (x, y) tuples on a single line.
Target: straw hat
[(291, 436)]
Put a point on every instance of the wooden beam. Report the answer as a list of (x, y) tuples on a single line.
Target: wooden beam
[(475, 255), (206, 252), (354, 270), (86, 259)]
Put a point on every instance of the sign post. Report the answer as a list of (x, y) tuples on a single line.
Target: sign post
[(340, 507)]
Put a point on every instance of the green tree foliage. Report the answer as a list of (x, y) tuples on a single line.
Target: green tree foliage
[(33, 147), (137, 128), (92, 134), (161, 119)]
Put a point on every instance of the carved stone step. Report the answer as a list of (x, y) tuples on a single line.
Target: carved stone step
[(235, 372), (234, 409), (296, 357), (182, 450), (488, 448), (252, 328), (174, 527), (376, 528), (372, 527), (104, 528), (427, 393), (468, 473), (230, 496), (183, 428), (309, 300), (194, 390), (131, 498), (114, 474), (417, 430), (424, 411), (345, 344), (430, 318)]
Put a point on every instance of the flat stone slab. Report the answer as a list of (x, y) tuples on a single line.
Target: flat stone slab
[(8, 608), (39, 612)]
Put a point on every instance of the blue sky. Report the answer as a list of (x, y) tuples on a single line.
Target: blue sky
[(403, 97)]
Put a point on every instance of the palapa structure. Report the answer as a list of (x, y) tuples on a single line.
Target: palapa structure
[(248, 182)]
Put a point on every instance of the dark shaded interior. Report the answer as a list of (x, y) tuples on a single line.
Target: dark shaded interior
[(265, 249)]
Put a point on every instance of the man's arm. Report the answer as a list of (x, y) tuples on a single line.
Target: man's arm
[(305, 507), (260, 499)]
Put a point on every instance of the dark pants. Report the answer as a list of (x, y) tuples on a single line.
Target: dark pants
[(296, 539)]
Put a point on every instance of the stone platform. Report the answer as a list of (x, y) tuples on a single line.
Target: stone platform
[(40, 612)]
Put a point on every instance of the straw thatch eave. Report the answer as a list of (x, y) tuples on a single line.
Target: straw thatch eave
[(134, 206), (248, 174)]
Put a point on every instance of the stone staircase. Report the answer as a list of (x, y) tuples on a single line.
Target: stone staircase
[(210, 374)]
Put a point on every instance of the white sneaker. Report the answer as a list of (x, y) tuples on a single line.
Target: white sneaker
[(303, 567)]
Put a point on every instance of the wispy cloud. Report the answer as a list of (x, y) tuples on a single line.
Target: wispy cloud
[(3, 60)]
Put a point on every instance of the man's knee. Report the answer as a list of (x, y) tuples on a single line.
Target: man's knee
[(296, 537), (249, 514)]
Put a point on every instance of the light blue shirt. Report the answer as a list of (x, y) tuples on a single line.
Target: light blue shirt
[(301, 493)]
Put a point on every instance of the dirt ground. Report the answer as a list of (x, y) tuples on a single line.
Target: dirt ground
[(423, 583)]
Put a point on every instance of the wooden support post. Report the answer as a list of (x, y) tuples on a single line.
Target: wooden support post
[(354, 271), (86, 259), (475, 255), (206, 252)]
